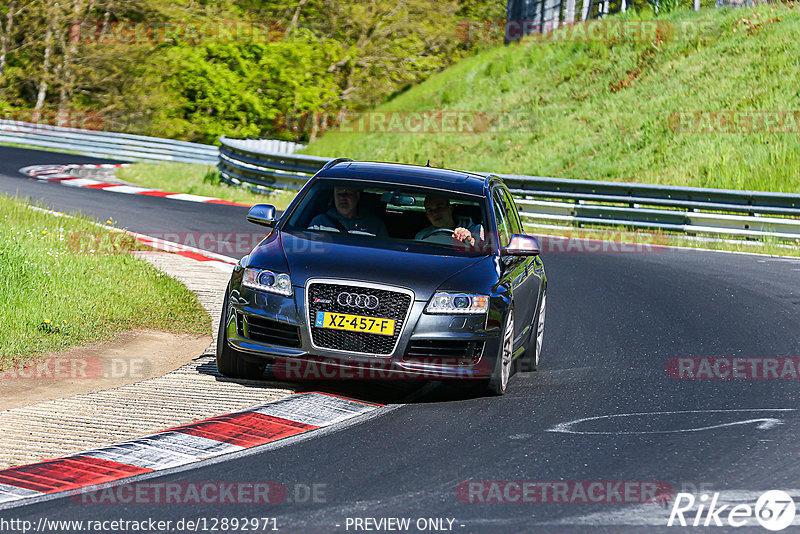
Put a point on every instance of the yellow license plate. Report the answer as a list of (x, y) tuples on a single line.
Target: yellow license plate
[(355, 323)]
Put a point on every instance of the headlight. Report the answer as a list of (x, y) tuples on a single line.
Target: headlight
[(269, 281), (454, 303)]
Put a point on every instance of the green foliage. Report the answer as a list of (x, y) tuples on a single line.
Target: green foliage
[(194, 81), (667, 6), (212, 177)]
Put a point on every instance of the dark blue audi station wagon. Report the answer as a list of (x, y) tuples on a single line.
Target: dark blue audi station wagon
[(381, 270)]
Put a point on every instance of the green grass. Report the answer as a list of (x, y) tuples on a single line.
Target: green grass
[(56, 294), (581, 125), (196, 180)]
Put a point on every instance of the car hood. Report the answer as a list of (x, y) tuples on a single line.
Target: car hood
[(307, 258)]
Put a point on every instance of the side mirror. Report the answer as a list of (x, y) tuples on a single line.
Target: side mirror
[(521, 245), (263, 214)]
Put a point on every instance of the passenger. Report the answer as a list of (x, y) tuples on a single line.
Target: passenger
[(440, 214), (344, 216)]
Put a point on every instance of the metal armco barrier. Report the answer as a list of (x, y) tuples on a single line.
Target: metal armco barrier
[(689, 210), (251, 161), (125, 147)]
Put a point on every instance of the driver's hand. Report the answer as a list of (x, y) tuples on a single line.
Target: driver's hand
[(464, 235)]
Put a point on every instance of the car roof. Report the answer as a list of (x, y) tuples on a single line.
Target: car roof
[(412, 175)]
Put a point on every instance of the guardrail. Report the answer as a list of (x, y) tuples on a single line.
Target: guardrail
[(250, 161), (126, 147), (689, 210)]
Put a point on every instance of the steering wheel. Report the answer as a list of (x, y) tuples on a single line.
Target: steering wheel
[(452, 234), (442, 230)]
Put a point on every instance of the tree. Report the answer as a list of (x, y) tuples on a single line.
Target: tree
[(6, 31), (69, 58)]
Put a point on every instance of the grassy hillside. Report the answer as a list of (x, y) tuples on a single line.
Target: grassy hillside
[(602, 110)]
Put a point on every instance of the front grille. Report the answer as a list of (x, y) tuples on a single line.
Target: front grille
[(272, 332), (435, 350), (392, 305)]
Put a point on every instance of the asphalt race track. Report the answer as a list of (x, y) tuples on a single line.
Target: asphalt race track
[(143, 214), (614, 321)]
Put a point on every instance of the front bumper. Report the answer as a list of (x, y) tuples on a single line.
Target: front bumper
[(431, 347)]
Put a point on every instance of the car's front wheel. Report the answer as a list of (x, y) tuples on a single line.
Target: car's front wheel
[(502, 367), (530, 361), (229, 360)]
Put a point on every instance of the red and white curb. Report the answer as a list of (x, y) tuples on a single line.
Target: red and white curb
[(61, 174), (182, 445)]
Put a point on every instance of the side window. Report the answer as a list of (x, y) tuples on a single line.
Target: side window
[(513, 215), (501, 214)]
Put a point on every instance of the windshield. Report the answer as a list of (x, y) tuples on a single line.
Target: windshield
[(427, 220)]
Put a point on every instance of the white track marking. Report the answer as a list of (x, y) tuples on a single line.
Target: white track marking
[(190, 198), (61, 172), (80, 182), (765, 423), (127, 189), (13, 493)]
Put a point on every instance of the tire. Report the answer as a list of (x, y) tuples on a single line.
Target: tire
[(229, 360), (503, 365), (530, 361)]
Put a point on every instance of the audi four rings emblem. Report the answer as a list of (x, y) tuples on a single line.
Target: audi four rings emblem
[(355, 300)]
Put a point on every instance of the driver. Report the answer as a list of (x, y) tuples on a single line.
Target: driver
[(344, 216), (440, 214)]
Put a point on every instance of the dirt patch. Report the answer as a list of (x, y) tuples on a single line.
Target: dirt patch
[(131, 357)]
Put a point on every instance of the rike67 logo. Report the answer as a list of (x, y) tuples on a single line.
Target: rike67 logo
[(774, 510)]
